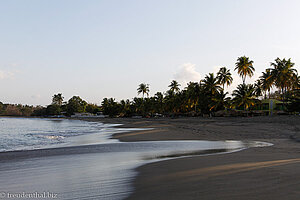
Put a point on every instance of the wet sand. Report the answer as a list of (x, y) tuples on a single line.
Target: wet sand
[(256, 173)]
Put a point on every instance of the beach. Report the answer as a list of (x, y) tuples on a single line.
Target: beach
[(150, 100), (271, 172), (255, 173)]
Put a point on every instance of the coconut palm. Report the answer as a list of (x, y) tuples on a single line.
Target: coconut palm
[(220, 101), (174, 86), (211, 84), (245, 68), (138, 105), (159, 97), (144, 89), (258, 91), (244, 96), (192, 94), (224, 77), (297, 82), (124, 107), (172, 101), (159, 100), (283, 75), (266, 82)]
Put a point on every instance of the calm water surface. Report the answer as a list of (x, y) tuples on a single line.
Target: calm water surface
[(36, 133)]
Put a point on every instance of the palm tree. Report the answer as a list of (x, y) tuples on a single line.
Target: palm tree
[(159, 100), (159, 97), (144, 89), (124, 107), (296, 82), (211, 84), (220, 101), (57, 99), (224, 77), (245, 67), (244, 95), (174, 86), (266, 82), (192, 94), (258, 91), (172, 102), (138, 105), (282, 74), (211, 88)]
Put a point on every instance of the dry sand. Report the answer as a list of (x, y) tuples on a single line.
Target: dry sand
[(256, 173)]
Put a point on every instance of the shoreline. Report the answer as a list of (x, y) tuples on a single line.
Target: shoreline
[(254, 173), (258, 173), (276, 168)]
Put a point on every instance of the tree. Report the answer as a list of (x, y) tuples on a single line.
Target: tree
[(192, 95), (76, 104), (125, 107), (258, 88), (245, 68), (92, 108), (1, 107), (110, 107), (210, 89), (266, 82), (57, 99), (12, 110), (244, 96), (283, 75), (294, 99), (296, 81), (144, 89), (53, 109), (224, 77), (174, 86), (211, 84), (159, 101), (138, 105), (219, 101)]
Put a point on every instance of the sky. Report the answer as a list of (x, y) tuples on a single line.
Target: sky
[(106, 48)]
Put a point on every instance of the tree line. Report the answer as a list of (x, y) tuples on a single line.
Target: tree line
[(280, 81), (57, 107)]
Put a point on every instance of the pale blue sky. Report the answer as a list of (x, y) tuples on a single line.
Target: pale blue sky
[(97, 48)]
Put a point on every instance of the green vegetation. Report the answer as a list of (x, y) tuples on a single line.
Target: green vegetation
[(280, 84), (16, 109), (245, 68), (224, 77), (144, 89)]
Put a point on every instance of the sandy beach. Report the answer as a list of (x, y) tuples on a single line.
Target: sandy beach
[(255, 173), (150, 100)]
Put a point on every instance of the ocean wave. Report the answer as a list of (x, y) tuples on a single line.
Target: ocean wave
[(54, 137)]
